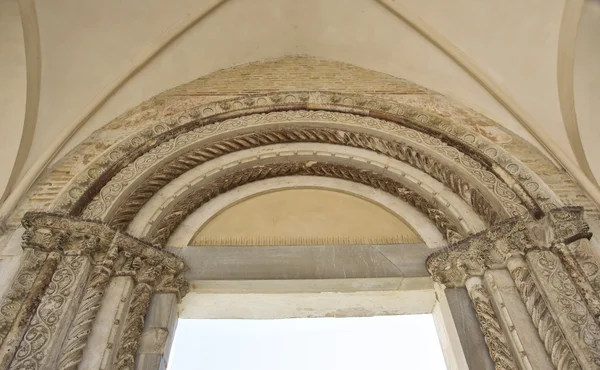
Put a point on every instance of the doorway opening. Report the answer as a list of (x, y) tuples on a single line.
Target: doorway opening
[(378, 342)]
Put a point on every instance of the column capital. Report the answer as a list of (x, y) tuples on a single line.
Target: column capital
[(51, 232), (493, 247)]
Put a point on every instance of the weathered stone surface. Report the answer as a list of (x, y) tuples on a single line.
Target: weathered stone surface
[(528, 349), (304, 262), (473, 343)]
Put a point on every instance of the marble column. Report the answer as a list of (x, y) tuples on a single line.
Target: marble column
[(50, 310), (159, 329), (556, 287)]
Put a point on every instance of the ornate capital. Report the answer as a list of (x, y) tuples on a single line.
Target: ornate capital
[(70, 236), (473, 255), (493, 247), (58, 233)]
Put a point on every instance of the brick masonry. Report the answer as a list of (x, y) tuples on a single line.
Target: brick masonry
[(292, 74)]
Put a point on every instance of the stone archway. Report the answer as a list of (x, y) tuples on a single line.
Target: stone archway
[(128, 190)]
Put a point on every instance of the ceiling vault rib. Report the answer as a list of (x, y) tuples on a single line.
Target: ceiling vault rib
[(565, 78), (33, 66), (487, 82), (147, 53)]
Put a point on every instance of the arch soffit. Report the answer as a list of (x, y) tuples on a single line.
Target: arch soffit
[(520, 180)]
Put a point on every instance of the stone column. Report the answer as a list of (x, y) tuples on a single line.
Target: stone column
[(467, 326), (40, 346), (492, 332), (51, 307), (554, 341), (557, 286), (156, 272), (134, 324), (515, 321), (81, 327), (567, 306), (22, 299), (157, 337), (42, 248)]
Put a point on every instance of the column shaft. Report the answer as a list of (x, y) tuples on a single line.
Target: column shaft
[(41, 344), (492, 332), (567, 307)]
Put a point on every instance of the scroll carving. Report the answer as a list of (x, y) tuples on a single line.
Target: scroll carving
[(554, 342), (493, 247), (492, 332), (72, 351), (53, 311), (491, 156), (50, 327), (568, 308), (139, 196), (583, 252), (20, 323), (142, 293), (31, 262)]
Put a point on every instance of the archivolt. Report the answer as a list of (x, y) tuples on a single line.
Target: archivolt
[(120, 181), (148, 173)]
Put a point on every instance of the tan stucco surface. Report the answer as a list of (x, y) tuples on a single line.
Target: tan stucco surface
[(304, 216)]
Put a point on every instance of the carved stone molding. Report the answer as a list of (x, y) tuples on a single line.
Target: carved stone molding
[(25, 278), (48, 313), (41, 342), (565, 225), (147, 278), (473, 255), (524, 182), (291, 167), (493, 247), (22, 304), (157, 168), (560, 300), (554, 341), (72, 350), (567, 307), (492, 332)]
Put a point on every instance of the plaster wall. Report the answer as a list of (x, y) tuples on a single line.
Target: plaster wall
[(237, 32), (586, 81), (304, 214), (12, 86)]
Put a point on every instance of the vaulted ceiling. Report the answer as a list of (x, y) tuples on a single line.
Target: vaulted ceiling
[(67, 68)]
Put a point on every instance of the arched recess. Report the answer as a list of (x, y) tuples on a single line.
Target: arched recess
[(186, 231), (150, 179)]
